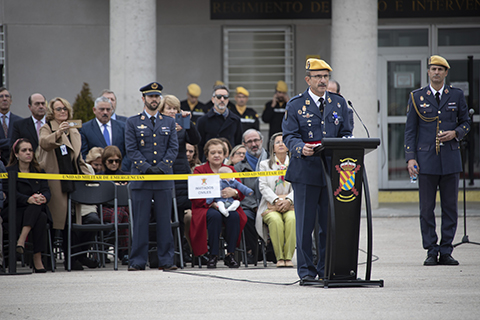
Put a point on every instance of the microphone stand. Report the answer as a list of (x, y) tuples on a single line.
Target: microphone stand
[(465, 235), (351, 105)]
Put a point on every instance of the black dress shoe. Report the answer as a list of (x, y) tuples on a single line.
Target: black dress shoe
[(135, 267), (125, 260), (431, 260), (20, 249), (168, 267), (212, 262), (35, 270), (447, 260), (88, 262), (230, 261)]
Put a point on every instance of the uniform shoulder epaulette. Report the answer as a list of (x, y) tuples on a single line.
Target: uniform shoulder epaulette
[(419, 89), (455, 88), (298, 96)]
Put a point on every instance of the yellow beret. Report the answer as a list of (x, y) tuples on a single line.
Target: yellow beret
[(438, 61), (281, 86), (242, 90), (194, 90), (219, 83), (316, 65)]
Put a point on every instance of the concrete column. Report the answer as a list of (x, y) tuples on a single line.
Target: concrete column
[(133, 45), (354, 64)]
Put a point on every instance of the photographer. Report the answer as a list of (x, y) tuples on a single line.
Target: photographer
[(275, 109)]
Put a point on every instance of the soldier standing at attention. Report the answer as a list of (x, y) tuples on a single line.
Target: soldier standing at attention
[(151, 142), (310, 117), (437, 119)]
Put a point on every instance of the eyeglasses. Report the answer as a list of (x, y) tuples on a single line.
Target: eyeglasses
[(112, 161), (219, 96), (239, 153), (4, 96), (59, 109), (320, 76), (256, 141)]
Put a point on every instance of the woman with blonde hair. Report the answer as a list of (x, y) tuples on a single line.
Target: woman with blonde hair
[(60, 152)]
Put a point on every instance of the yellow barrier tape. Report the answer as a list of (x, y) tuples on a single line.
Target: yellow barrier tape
[(140, 177)]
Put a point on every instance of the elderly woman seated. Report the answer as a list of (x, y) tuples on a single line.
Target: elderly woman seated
[(207, 221), (276, 206)]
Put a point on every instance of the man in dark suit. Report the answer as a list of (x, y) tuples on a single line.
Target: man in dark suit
[(310, 117), (7, 119), (152, 146), (219, 121), (29, 128), (437, 119), (113, 99), (275, 109), (104, 131)]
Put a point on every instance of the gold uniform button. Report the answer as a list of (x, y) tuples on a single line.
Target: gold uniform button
[(322, 122), (154, 143), (141, 134), (154, 135), (439, 111), (324, 132), (154, 152), (154, 161)]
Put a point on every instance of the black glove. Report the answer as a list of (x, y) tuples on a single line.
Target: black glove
[(154, 170)]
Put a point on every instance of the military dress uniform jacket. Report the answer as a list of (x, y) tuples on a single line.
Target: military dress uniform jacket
[(303, 123), (420, 136), (249, 119), (151, 146)]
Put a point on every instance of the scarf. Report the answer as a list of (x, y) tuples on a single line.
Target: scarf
[(281, 179), (252, 161)]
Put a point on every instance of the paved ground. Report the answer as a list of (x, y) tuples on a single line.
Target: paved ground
[(411, 290)]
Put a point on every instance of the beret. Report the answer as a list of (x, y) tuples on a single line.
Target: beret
[(316, 65)]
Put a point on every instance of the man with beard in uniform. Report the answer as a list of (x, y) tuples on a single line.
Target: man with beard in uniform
[(152, 146)]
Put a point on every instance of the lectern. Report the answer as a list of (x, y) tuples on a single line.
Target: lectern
[(343, 163)]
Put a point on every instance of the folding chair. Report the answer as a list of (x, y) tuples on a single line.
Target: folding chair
[(124, 200), (93, 193)]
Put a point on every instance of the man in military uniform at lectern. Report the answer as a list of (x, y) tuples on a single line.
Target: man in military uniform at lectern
[(437, 119), (310, 117), (152, 146)]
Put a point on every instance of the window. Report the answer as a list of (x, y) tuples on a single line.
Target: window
[(459, 37), (402, 37), (256, 58)]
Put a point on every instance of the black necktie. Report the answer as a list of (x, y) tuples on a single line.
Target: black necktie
[(321, 107), (437, 97), (153, 121)]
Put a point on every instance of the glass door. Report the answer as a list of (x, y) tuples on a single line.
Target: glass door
[(398, 76)]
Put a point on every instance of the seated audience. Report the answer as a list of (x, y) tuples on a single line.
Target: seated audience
[(32, 197), (94, 158), (229, 204), (276, 206), (112, 161), (207, 221), (192, 155), (238, 154)]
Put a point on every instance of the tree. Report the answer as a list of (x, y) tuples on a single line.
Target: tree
[(82, 107)]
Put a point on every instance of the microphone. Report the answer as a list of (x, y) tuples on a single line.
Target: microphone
[(351, 105)]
